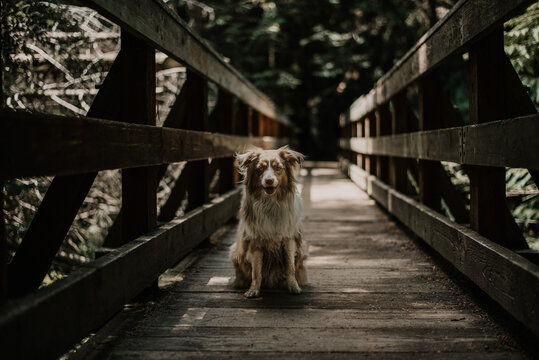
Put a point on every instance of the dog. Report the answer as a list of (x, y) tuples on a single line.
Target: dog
[(269, 249)]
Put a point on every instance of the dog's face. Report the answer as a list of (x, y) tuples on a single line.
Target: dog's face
[(269, 172)]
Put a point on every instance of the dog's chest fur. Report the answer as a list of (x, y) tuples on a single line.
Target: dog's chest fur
[(269, 220)]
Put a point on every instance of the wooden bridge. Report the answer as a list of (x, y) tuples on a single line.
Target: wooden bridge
[(375, 284)]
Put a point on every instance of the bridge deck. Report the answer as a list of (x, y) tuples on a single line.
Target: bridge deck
[(372, 293)]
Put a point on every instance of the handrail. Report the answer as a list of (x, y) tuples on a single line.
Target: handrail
[(499, 143), (72, 145)]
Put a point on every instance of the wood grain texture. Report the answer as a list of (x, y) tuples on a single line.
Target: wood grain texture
[(430, 118), (467, 21), (139, 185), (197, 178), (175, 119), (370, 294), (159, 26), (383, 127), (400, 123), (487, 184), (506, 277), (226, 124), (500, 143), (81, 303), (70, 145)]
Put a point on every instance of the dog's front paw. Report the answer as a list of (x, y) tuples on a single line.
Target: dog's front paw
[(252, 293), (293, 287)]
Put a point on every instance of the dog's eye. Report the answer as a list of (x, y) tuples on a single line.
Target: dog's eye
[(277, 168)]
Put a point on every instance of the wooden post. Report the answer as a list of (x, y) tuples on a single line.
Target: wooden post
[(139, 203), (262, 131), (197, 172), (254, 122), (3, 248), (487, 184), (370, 131), (353, 131), (383, 127), (398, 177), (242, 128), (175, 119), (226, 125), (60, 204), (242, 121), (430, 118), (489, 101)]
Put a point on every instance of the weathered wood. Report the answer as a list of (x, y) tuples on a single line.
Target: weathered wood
[(70, 145), (503, 143), (343, 340), (61, 202), (242, 128), (370, 131), (161, 27), (242, 121), (398, 177), (465, 23), (3, 248), (430, 118), (198, 180), (175, 119), (487, 184), (226, 119), (383, 127), (194, 178), (69, 305), (260, 119), (506, 277), (139, 198), (298, 355)]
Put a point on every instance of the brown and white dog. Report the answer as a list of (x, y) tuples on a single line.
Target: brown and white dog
[(269, 249)]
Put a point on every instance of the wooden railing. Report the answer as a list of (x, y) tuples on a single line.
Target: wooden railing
[(389, 152), (120, 132)]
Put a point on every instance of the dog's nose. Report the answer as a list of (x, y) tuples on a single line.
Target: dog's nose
[(269, 181)]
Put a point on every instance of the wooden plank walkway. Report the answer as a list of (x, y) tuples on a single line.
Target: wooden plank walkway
[(372, 293)]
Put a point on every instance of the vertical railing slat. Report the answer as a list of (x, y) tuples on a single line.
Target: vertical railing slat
[(139, 203), (430, 118)]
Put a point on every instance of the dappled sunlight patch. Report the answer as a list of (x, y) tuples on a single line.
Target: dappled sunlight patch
[(323, 171), (335, 190), (192, 316), (327, 260), (218, 280), (354, 290)]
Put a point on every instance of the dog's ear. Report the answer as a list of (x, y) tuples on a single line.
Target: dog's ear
[(292, 158), (243, 161)]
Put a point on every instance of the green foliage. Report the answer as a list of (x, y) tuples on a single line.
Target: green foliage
[(523, 200), (313, 59), (521, 45), (24, 23)]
